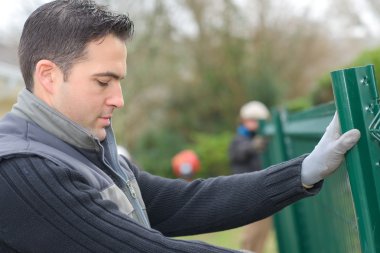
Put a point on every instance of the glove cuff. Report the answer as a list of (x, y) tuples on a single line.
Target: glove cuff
[(307, 186)]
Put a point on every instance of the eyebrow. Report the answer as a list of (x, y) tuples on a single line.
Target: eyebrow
[(109, 74)]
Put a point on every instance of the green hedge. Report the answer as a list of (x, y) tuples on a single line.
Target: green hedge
[(212, 150)]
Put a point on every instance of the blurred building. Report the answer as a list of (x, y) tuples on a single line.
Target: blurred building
[(11, 81), (10, 75)]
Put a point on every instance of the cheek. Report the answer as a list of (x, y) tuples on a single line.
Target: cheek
[(80, 101), (83, 109), (75, 107)]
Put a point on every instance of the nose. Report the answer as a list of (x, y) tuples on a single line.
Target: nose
[(116, 97)]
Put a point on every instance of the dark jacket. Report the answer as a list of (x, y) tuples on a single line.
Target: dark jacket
[(48, 204), (244, 157)]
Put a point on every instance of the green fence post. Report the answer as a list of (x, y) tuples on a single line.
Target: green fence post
[(357, 102)]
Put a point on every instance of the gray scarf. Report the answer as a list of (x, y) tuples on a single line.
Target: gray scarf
[(33, 109)]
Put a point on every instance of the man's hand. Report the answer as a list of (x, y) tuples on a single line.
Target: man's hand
[(329, 153), (259, 143)]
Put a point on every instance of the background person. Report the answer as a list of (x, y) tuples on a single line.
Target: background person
[(244, 154), (186, 164)]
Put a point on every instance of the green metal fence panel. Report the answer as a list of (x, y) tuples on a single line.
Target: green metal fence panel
[(345, 215), (326, 222), (358, 106)]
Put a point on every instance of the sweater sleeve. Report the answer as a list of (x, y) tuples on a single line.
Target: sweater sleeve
[(176, 207), (46, 207)]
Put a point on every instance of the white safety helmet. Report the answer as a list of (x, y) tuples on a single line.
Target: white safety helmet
[(254, 110)]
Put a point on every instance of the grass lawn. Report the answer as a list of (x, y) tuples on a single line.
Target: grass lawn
[(230, 239)]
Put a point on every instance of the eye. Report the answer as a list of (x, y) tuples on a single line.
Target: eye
[(102, 84)]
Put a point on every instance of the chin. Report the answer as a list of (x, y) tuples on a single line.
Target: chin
[(101, 135)]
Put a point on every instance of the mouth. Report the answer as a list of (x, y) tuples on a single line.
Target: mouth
[(106, 120)]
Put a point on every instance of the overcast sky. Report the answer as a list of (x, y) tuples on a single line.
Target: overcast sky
[(13, 14)]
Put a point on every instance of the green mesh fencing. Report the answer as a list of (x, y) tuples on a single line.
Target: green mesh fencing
[(344, 216)]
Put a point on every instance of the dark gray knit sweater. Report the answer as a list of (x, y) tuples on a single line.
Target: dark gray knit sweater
[(48, 206)]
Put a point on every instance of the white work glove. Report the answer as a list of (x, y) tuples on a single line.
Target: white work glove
[(328, 154)]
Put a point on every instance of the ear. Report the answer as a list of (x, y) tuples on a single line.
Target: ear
[(46, 75)]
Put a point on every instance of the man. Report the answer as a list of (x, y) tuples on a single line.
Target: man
[(244, 154), (63, 188), (247, 145)]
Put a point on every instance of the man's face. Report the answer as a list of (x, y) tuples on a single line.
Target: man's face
[(251, 124), (92, 90)]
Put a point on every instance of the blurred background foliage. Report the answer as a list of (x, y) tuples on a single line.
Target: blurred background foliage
[(184, 90), (205, 145), (193, 63)]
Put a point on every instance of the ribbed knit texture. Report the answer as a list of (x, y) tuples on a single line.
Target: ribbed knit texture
[(221, 203), (57, 207), (48, 208)]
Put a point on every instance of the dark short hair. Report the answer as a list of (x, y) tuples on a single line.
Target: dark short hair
[(60, 30)]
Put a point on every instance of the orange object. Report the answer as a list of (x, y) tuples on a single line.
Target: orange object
[(185, 164)]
